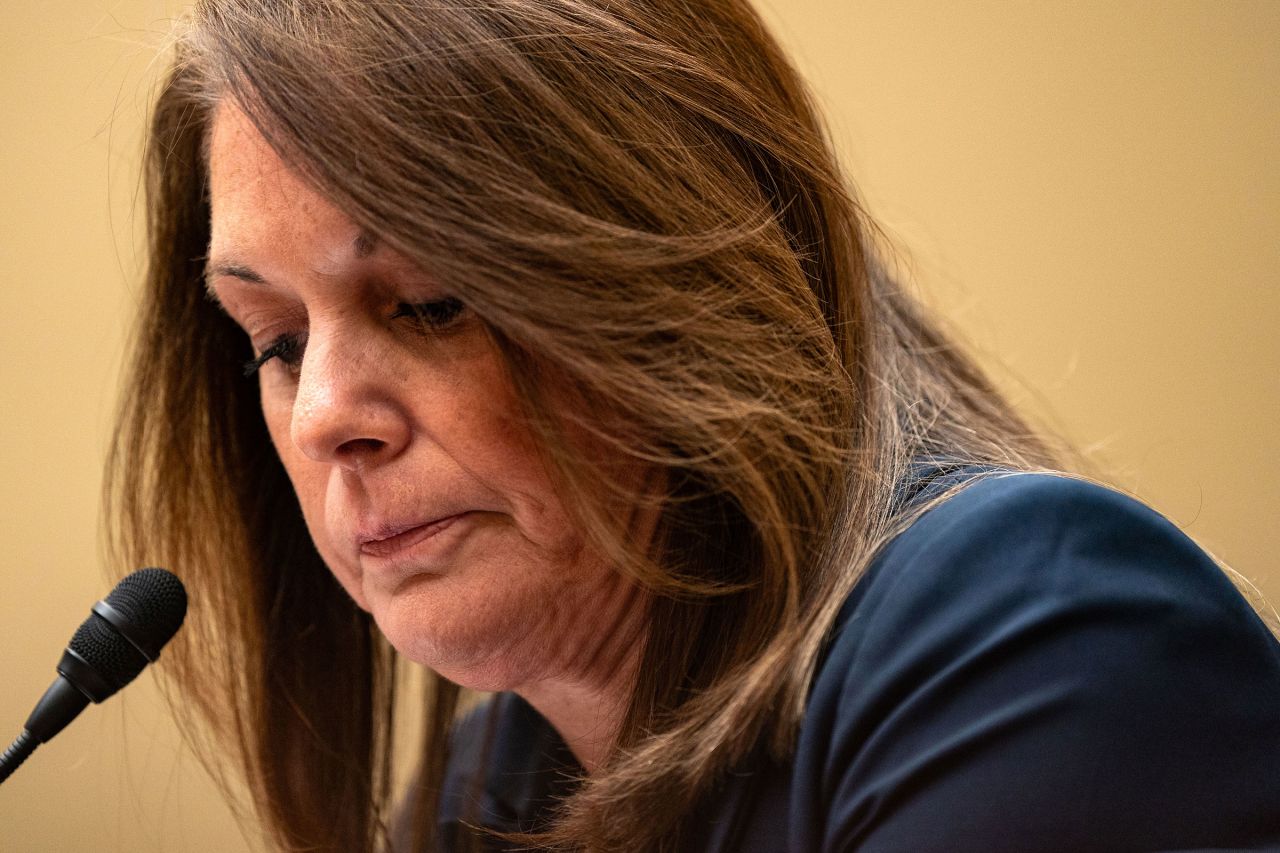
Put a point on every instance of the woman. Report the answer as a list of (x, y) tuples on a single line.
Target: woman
[(541, 343)]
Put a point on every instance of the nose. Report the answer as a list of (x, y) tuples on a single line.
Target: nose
[(345, 411)]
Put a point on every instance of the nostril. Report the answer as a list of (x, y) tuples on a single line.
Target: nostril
[(358, 447)]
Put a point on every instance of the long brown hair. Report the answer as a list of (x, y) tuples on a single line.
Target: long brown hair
[(641, 202)]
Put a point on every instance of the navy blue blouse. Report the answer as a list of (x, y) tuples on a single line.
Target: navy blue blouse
[(1037, 664)]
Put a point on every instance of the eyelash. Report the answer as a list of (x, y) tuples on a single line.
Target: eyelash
[(435, 316)]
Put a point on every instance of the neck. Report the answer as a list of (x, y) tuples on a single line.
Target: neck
[(587, 702)]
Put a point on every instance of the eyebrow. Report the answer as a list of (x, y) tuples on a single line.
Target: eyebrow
[(365, 244), (235, 270)]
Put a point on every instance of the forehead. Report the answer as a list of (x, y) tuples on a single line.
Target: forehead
[(255, 196)]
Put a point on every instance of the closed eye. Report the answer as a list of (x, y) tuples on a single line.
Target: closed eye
[(436, 315), (287, 348)]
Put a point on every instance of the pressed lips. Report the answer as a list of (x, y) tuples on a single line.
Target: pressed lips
[(387, 546)]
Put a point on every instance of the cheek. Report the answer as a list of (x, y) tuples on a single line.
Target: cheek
[(277, 411), (310, 481), (490, 437)]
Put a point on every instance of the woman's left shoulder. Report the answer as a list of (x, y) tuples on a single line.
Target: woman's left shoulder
[(1046, 541), (1043, 663)]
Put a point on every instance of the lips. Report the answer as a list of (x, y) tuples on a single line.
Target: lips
[(391, 540)]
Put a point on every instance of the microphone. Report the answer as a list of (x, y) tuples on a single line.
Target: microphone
[(123, 633)]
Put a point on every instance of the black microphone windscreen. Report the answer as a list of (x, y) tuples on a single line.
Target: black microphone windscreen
[(154, 600), (144, 611), (107, 652)]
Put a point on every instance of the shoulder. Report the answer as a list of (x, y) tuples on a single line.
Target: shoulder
[(1030, 636), (1009, 541), (1034, 515)]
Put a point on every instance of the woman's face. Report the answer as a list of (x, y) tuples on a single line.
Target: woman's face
[(397, 427)]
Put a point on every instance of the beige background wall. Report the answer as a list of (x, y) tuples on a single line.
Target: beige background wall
[(1089, 189)]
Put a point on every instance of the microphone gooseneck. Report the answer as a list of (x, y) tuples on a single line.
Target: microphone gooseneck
[(124, 632)]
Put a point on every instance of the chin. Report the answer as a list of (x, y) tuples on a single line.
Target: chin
[(476, 646)]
